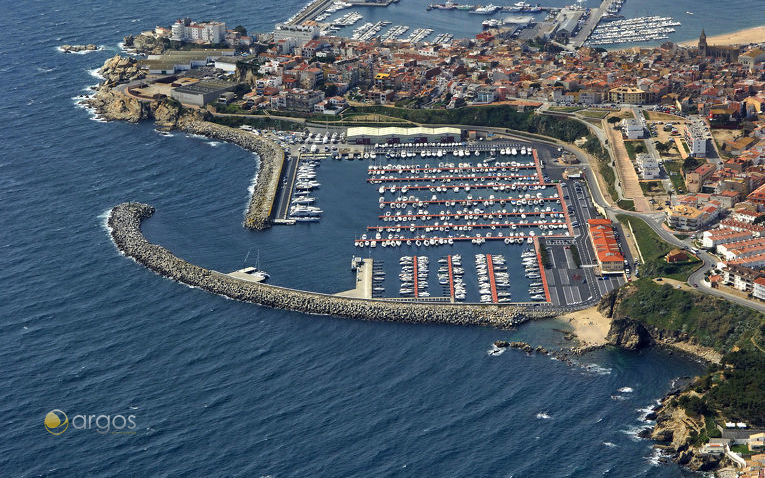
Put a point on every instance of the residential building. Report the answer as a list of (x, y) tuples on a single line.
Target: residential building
[(715, 237), (752, 58), (302, 100), (648, 166), (633, 128), (741, 277), (607, 251), (758, 288), (688, 218), (628, 95), (695, 179), (696, 136), (185, 30), (301, 34)]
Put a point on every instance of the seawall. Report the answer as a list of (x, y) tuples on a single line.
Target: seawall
[(125, 227), (271, 162)]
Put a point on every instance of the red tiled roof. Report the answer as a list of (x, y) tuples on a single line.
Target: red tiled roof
[(604, 240)]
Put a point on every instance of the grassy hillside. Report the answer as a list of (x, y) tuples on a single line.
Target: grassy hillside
[(710, 321), (653, 249)]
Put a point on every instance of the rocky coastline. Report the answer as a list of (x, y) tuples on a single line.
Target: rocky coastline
[(125, 229), (113, 103), (675, 433)]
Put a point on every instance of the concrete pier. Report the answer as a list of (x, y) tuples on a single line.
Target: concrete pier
[(596, 14), (363, 289)]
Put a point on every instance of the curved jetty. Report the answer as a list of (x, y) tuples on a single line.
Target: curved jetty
[(271, 161), (125, 228)]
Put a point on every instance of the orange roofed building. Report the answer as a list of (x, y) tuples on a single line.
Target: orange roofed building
[(603, 238)]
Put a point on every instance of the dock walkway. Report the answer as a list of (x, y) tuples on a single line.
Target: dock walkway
[(451, 276), (492, 279), (363, 288), (416, 273)]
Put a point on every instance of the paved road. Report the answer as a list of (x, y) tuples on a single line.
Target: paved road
[(289, 170), (655, 222)]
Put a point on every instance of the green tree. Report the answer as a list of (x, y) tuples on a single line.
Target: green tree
[(241, 30), (330, 89)]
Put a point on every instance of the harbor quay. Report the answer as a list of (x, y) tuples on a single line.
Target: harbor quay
[(271, 157)]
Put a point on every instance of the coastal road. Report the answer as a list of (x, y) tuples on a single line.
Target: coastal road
[(654, 220)]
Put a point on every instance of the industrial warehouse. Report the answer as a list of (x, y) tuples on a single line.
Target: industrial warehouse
[(395, 135)]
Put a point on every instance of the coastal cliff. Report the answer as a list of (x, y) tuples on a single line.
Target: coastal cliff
[(680, 433), (125, 229), (628, 332)]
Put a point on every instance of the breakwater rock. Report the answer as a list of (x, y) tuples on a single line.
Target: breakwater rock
[(530, 349), (271, 162), (120, 103), (125, 228), (79, 48)]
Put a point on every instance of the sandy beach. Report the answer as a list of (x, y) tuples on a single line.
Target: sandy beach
[(590, 326), (741, 37)]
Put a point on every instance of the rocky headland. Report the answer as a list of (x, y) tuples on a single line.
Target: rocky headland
[(631, 334), (145, 44), (114, 101), (676, 432)]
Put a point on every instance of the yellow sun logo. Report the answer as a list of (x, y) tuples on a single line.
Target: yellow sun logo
[(56, 422)]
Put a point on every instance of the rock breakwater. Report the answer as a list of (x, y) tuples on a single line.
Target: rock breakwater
[(125, 228), (79, 48), (271, 162)]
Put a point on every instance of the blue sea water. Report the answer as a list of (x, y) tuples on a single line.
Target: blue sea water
[(221, 388)]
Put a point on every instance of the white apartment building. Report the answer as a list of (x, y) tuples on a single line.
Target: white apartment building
[(301, 34), (633, 128), (697, 135), (759, 288), (648, 166), (209, 32)]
